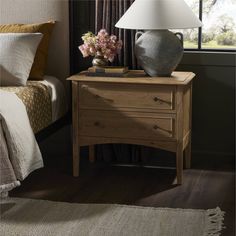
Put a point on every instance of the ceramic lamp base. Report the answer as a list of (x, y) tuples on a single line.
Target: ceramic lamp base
[(158, 52)]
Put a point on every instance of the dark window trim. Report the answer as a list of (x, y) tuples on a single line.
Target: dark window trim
[(200, 28)]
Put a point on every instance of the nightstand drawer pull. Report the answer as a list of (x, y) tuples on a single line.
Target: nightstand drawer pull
[(155, 127), (157, 99), (105, 99)]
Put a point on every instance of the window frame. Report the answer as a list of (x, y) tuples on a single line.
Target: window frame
[(199, 48)]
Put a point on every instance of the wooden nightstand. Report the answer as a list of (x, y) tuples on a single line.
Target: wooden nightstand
[(137, 109)]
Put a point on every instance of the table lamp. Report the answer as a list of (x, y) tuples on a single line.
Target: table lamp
[(158, 50)]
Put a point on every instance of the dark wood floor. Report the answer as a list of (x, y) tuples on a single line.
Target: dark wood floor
[(203, 187)]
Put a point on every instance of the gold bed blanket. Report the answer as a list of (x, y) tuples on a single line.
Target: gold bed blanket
[(37, 101)]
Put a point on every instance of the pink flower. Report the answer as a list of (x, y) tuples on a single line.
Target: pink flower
[(102, 33), (92, 50), (113, 38), (83, 50), (101, 44)]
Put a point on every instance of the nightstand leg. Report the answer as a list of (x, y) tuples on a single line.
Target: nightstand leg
[(91, 153), (179, 163), (188, 155)]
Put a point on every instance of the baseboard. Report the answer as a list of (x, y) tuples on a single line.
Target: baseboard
[(213, 160), (205, 153)]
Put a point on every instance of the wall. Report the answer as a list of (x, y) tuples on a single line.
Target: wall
[(213, 101), (31, 11)]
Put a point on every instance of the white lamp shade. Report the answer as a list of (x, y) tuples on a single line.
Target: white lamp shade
[(158, 14)]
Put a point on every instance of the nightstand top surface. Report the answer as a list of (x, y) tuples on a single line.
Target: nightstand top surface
[(138, 77)]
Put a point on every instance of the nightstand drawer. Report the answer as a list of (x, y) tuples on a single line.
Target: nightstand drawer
[(107, 96), (126, 125)]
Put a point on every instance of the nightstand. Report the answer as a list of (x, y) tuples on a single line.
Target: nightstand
[(136, 109)]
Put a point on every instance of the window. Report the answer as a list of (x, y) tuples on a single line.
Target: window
[(219, 25)]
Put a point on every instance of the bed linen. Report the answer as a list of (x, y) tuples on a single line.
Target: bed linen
[(45, 101), (19, 48), (37, 101), (58, 96), (24, 111), (20, 154)]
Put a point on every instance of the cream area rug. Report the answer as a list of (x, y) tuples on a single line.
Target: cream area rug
[(26, 217)]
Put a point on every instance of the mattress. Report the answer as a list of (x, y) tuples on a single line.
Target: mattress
[(45, 101)]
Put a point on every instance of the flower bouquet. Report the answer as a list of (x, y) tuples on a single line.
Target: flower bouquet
[(102, 46)]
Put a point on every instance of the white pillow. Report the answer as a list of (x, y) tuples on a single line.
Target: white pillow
[(17, 52)]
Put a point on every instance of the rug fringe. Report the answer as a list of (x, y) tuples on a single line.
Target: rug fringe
[(214, 222)]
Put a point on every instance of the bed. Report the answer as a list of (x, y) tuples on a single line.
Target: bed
[(26, 110), (45, 101)]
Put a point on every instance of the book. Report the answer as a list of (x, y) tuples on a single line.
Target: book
[(108, 69), (100, 74)]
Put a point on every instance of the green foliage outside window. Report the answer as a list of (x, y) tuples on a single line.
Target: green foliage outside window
[(219, 25)]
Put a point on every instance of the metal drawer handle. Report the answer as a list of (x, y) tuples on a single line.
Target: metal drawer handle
[(105, 99), (157, 99), (155, 127)]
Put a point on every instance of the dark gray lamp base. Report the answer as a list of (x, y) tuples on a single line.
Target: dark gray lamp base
[(158, 52)]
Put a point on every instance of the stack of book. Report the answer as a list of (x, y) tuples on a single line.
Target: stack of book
[(108, 71)]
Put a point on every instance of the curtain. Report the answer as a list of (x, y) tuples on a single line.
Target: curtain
[(107, 13)]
